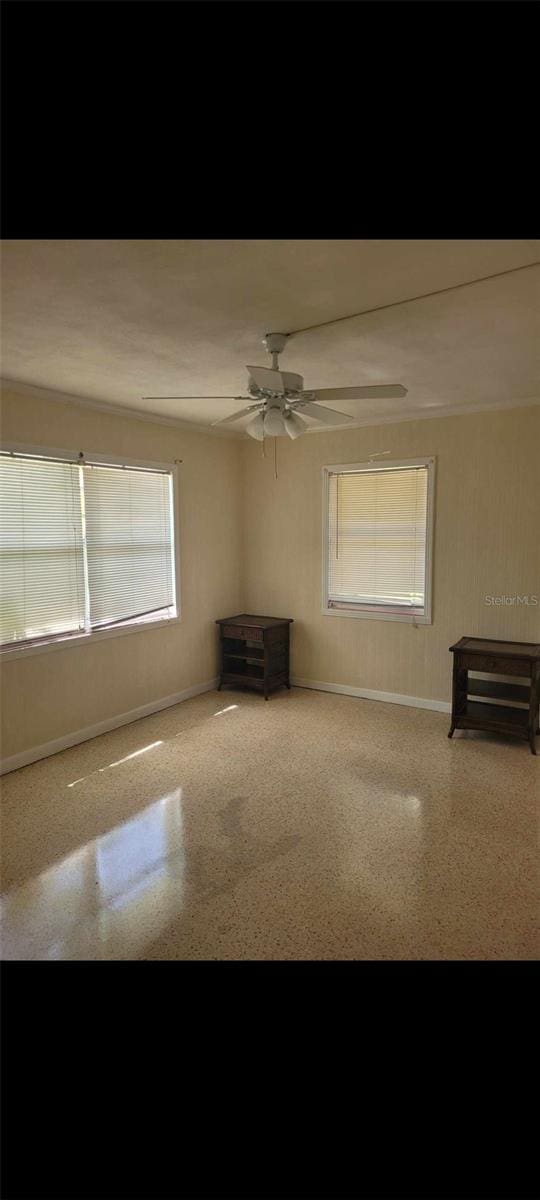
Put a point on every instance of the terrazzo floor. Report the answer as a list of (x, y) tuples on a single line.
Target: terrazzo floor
[(314, 826)]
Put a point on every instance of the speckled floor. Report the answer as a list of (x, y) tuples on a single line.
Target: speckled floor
[(312, 826)]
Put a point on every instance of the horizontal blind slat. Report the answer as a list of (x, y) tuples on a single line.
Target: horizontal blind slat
[(129, 543), (41, 557), (377, 527)]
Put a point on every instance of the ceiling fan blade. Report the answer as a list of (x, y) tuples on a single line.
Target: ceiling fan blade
[(276, 381), (265, 377), (236, 416), (192, 397), (385, 391), (292, 382), (328, 416)]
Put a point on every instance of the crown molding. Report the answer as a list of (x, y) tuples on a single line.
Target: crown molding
[(115, 410), (118, 410), (423, 414)]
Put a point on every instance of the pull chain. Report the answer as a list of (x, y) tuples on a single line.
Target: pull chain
[(275, 459)]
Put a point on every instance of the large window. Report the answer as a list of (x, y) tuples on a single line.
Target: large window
[(377, 540), (84, 547)]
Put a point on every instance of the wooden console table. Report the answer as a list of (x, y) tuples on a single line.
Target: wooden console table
[(496, 658), (255, 651)]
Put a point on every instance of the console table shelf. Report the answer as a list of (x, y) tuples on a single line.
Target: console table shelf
[(255, 651), (490, 656)]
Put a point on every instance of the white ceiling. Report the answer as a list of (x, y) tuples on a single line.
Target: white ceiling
[(113, 321)]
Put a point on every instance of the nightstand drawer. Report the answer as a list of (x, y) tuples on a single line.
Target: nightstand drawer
[(245, 632), (496, 665)]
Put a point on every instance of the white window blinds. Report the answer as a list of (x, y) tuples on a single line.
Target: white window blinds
[(377, 529), (41, 560), (128, 542), (82, 547)]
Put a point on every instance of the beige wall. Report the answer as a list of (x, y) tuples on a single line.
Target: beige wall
[(46, 696), (487, 541), (250, 542)]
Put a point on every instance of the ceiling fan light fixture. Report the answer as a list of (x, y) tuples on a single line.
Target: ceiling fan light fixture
[(294, 425), (256, 427), (274, 425)]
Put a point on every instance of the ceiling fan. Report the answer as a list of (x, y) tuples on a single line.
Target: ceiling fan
[(278, 398)]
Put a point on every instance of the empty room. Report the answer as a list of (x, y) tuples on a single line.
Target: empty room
[(270, 599)]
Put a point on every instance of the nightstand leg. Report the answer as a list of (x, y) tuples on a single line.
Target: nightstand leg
[(451, 730)]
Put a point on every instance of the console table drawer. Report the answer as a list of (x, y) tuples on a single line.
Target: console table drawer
[(246, 633), (495, 665)]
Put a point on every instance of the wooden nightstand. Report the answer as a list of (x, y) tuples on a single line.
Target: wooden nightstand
[(255, 651), (496, 658)]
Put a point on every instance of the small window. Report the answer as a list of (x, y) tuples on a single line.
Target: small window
[(377, 540), (84, 547)]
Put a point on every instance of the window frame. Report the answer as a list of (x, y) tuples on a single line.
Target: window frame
[(389, 465), (64, 641)]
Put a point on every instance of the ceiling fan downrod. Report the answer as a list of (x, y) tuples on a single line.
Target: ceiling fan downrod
[(275, 344)]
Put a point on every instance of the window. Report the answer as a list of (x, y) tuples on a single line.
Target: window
[(84, 547), (377, 540)]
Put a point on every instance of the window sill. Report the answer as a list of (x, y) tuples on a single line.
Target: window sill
[(378, 616), (84, 639)]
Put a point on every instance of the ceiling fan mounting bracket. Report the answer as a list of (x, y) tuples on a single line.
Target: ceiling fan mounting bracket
[(275, 342), (275, 345)]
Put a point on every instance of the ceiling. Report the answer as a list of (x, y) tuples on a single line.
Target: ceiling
[(113, 321)]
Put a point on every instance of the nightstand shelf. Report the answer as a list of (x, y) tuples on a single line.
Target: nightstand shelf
[(254, 651), (497, 690), (494, 714)]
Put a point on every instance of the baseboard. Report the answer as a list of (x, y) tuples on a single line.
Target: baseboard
[(145, 710), (91, 731), (344, 689)]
